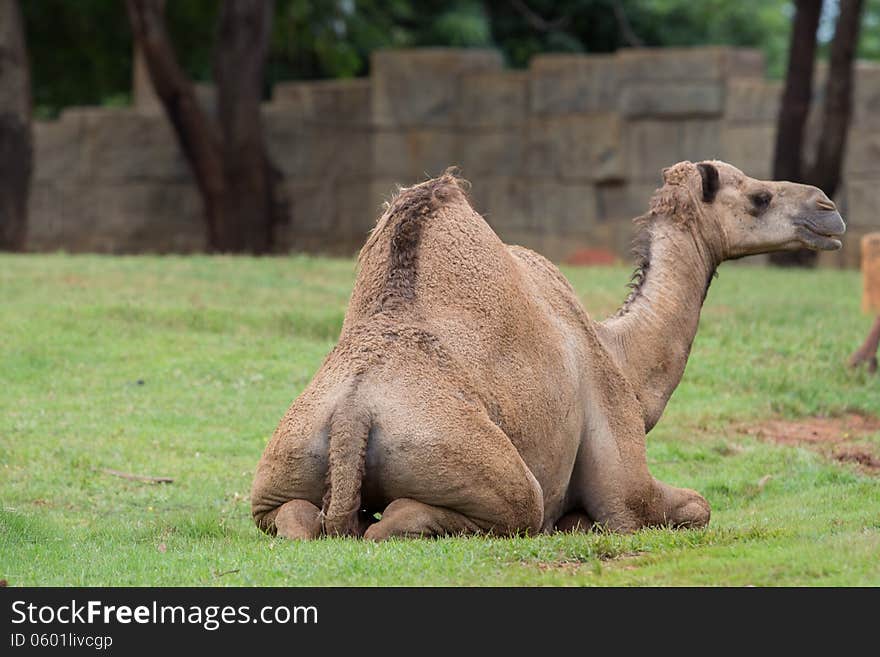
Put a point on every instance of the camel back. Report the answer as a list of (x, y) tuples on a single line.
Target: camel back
[(431, 256)]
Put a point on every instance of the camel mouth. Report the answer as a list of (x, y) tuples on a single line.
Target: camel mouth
[(820, 231)]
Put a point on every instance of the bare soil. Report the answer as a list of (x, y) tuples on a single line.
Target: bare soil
[(591, 258), (840, 438)]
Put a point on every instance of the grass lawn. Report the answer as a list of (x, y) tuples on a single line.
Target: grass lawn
[(182, 367)]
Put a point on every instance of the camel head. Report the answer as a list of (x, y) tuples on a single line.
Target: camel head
[(739, 216)]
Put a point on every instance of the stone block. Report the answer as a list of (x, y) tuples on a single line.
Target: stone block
[(58, 150), (689, 64), (326, 216), (617, 238), (622, 202), (413, 155), (117, 218), (862, 153), (752, 100), (862, 203), (157, 218), (493, 99), (866, 95), (504, 202), (316, 150), (331, 101), (492, 153), (355, 213), (420, 87), (563, 209), (700, 139), (749, 147), (380, 191), (674, 98), (123, 145), (312, 205), (651, 146), (54, 216), (576, 147), (746, 63), (562, 84)]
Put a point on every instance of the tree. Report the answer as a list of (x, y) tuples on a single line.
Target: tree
[(788, 161), (238, 183), (16, 149)]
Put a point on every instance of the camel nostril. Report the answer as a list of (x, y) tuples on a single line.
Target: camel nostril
[(825, 204)]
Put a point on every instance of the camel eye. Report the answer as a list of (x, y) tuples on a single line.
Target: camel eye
[(760, 200)]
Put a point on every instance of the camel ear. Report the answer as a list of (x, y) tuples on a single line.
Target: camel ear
[(711, 182)]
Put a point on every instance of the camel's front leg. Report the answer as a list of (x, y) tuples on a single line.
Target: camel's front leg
[(611, 479)]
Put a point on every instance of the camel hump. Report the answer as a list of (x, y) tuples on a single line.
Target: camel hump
[(401, 225)]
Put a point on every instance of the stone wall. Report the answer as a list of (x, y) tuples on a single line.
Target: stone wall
[(561, 156)]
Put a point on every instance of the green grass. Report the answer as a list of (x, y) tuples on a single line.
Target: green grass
[(183, 366)]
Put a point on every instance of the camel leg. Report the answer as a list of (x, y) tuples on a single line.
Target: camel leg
[(298, 519), (619, 493), (447, 469), (575, 522), (495, 493), (867, 353), (611, 480), (409, 518)]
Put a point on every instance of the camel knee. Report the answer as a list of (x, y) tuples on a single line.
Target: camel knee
[(522, 511), (266, 501)]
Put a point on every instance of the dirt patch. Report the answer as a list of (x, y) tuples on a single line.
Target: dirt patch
[(591, 258), (574, 566), (839, 438)]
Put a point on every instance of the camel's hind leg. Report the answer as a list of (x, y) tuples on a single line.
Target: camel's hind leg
[(298, 519), (574, 522), (409, 518), (448, 469)]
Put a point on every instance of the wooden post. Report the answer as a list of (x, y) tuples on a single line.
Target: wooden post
[(871, 273)]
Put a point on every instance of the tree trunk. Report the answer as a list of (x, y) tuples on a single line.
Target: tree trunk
[(827, 167), (798, 92), (788, 156), (229, 161), (825, 173), (242, 47), (16, 150)]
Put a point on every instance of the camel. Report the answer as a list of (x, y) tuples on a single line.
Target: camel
[(471, 393)]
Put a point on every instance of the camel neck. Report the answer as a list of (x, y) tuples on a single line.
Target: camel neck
[(650, 337)]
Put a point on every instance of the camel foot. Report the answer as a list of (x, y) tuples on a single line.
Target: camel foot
[(683, 508), (298, 520), (409, 518), (574, 522)]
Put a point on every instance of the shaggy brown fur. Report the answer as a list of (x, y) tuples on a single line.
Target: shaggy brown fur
[(470, 392)]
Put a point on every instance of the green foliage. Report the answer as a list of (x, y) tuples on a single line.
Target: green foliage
[(574, 26), (182, 366), (81, 52), (869, 39)]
